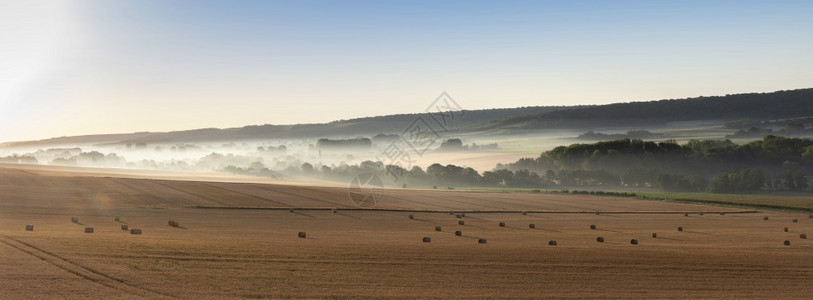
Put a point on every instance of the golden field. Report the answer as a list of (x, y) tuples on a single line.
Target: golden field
[(239, 240)]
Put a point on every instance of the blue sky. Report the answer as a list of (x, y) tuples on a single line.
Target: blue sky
[(93, 66)]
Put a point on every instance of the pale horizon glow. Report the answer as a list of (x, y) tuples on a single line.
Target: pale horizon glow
[(89, 67)]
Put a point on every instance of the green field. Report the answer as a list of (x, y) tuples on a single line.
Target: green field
[(792, 201)]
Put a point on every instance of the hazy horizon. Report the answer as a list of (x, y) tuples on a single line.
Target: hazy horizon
[(91, 67)]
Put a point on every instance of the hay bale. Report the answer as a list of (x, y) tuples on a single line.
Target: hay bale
[(75, 219), (552, 243), (502, 224), (458, 233), (458, 216), (701, 213), (592, 226), (787, 243), (29, 227), (680, 228), (125, 227), (135, 231), (481, 241), (531, 226), (463, 214), (786, 229), (598, 213), (116, 218), (437, 228), (302, 235), (88, 229), (795, 221), (524, 213), (461, 222), (803, 236), (685, 214), (290, 210), (600, 239), (654, 235), (411, 217), (173, 223), (634, 242), (765, 218), (427, 239), (810, 216), (722, 214), (334, 210)]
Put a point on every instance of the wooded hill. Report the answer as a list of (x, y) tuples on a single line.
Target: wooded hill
[(753, 106)]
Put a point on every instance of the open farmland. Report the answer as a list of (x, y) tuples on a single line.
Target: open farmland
[(237, 240)]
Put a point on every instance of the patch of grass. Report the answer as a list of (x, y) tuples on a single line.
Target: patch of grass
[(770, 201)]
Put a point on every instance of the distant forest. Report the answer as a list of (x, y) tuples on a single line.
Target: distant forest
[(753, 106), (771, 164)]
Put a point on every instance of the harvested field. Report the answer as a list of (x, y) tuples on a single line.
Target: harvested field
[(244, 244)]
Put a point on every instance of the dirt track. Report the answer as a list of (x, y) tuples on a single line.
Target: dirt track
[(254, 251)]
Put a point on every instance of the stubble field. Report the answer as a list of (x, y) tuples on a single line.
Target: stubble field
[(239, 240)]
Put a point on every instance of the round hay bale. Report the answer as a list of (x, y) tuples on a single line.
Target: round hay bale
[(524, 213), (458, 233), (592, 226), (810, 216), (685, 214), (481, 241), (437, 228), (786, 229), (803, 236), (502, 224), (427, 239), (795, 221), (634, 242), (461, 222), (552, 243), (680, 228), (600, 239), (463, 214), (135, 231), (765, 218), (302, 235), (290, 210), (411, 217), (334, 210), (125, 227), (88, 229), (116, 218), (458, 216), (173, 223), (75, 219), (598, 213), (787, 243), (29, 227), (701, 213), (722, 214), (531, 226), (654, 235)]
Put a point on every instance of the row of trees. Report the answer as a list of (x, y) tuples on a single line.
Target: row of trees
[(773, 163)]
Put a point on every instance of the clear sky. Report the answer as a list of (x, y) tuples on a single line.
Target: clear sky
[(99, 66)]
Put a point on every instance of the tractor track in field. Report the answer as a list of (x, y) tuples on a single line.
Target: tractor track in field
[(81, 271)]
